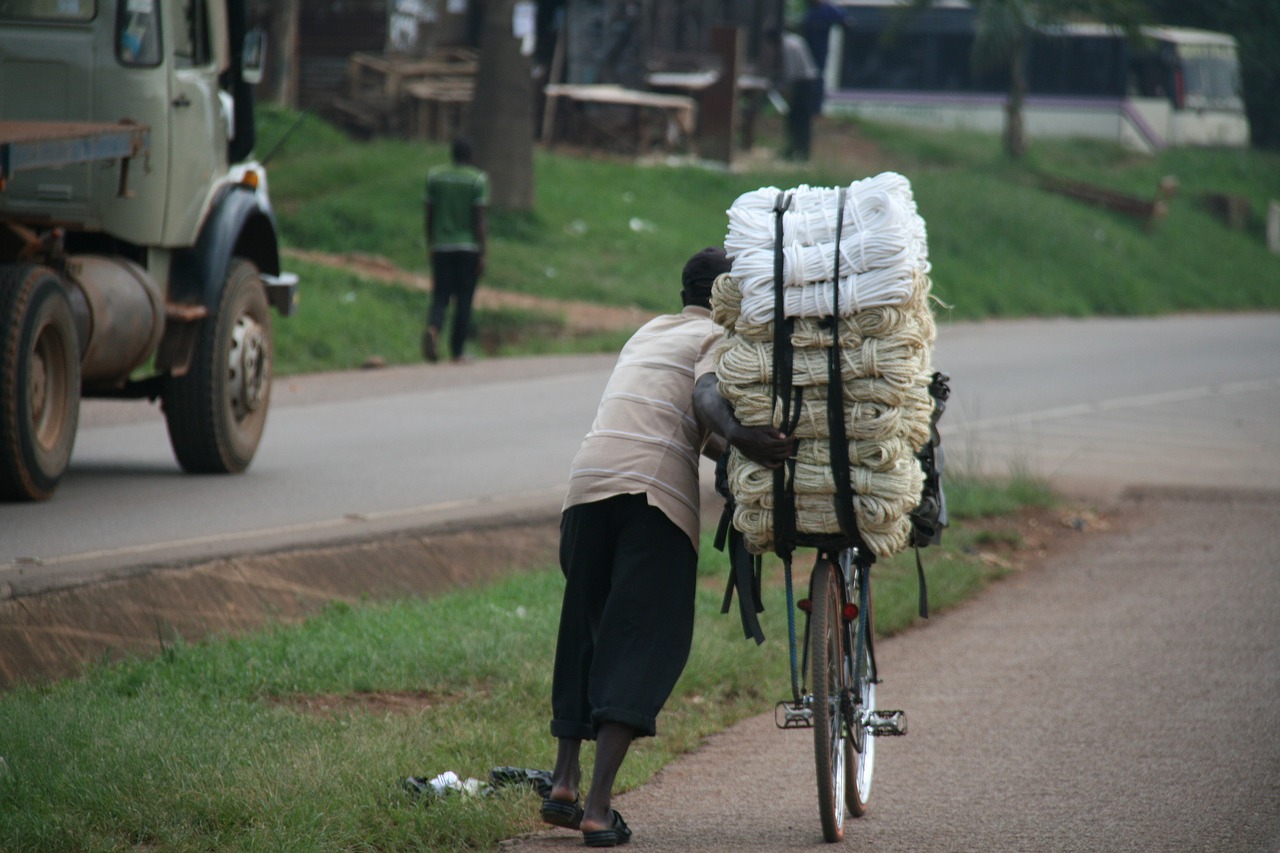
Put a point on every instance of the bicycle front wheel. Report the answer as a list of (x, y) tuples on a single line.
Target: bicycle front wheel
[(830, 678), (861, 742)]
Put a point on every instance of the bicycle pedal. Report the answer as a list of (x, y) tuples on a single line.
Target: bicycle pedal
[(788, 715), (887, 723)]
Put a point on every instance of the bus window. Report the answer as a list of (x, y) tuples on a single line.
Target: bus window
[(48, 10), (1077, 65)]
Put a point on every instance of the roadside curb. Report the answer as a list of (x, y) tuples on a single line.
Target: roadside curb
[(55, 634)]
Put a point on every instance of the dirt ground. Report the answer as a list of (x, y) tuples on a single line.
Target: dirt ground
[(580, 317)]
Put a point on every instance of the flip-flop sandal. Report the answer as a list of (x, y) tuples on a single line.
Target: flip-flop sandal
[(617, 834), (560, 813)]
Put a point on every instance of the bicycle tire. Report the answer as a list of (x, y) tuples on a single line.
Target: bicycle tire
[(828, 659), (861, 743)]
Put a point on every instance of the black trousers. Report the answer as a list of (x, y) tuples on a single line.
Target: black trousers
[(454, 276), (626, 624), (804, 103)]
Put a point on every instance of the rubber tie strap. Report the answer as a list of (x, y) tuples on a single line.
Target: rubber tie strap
[(839, 437), (791, 630), (923, 608), (784, 400)]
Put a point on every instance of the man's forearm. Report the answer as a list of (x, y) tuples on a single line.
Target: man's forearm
[(765, 445), (713, 411)]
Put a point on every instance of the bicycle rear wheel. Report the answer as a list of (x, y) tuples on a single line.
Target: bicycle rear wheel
[(861, 742), (829, 660)]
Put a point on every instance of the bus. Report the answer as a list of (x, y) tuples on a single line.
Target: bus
[(1169, 86)]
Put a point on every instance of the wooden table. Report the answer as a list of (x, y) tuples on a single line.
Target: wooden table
[(678, 113)]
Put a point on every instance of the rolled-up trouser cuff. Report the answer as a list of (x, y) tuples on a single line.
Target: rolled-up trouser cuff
[(572, 730), (644, 726)]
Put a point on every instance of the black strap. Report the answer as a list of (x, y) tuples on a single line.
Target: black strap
[(744, 568), (744, 575), (784, 507), (923, 608), (838, 436)]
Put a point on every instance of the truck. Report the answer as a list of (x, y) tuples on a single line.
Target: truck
[(139, 252)]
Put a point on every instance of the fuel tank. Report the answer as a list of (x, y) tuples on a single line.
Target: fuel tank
[(119, 314)]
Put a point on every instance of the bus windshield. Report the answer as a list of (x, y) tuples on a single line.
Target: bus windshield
[(1210, 77)]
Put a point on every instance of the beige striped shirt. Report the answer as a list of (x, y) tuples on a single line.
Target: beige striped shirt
[(645, 438)]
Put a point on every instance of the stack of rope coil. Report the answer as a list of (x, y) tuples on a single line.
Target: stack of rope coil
[(886, 332)]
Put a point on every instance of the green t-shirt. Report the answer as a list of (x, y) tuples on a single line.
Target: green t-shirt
[(454, 192)]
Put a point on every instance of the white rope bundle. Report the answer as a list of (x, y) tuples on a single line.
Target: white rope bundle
[(887, 286), (886, 332), (882, 204)]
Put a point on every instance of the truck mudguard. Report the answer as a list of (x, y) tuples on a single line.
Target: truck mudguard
[(240, 224)]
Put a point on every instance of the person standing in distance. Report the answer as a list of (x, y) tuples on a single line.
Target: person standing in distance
[(801, 80), (629, 550), (819, 17), (456, 200)]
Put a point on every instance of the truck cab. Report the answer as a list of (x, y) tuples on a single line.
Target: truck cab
[(139, 255)]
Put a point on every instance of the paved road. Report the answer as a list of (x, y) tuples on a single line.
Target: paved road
[(1124, 698), (1174, 401)]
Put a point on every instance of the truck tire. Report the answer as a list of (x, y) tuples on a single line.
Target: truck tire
[(216, 412), (39, 382)]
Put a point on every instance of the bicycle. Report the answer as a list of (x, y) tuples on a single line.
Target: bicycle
[(839, 651)]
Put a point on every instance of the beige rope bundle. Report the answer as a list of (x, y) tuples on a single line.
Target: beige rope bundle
[(898, 477), (819, 515), (885, 370), (754, 397), (726, 301), (896, 360)]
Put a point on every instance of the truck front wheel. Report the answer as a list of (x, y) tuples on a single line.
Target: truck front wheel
[(217, 411), (39, 382)]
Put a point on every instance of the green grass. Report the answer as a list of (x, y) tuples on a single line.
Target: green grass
[(344, 321), (211, 746), (614, 232)]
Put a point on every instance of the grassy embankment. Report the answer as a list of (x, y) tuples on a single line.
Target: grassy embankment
[(615, 233), (225, 745)]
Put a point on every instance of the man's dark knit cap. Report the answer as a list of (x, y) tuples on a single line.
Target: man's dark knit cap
[(704, 267)]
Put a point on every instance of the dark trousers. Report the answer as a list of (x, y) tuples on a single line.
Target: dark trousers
[(454, 276), (626, 624), (804, 103)]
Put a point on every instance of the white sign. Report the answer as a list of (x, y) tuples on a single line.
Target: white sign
[(524, 25)]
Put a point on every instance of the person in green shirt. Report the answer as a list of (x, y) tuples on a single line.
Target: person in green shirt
[(456, 199)]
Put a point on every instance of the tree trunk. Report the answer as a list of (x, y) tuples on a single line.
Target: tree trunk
[(1015, 140), (280, 77), (501, 119)]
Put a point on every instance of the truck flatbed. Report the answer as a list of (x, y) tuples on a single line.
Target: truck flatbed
[(27, 145)]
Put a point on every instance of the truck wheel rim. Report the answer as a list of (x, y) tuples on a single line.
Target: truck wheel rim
[(247, 366), (48, 387)]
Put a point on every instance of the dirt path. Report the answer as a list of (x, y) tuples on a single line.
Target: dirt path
[(1122, 696), (580, 317)]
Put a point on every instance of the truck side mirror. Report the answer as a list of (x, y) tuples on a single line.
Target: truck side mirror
[(253, 57)]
